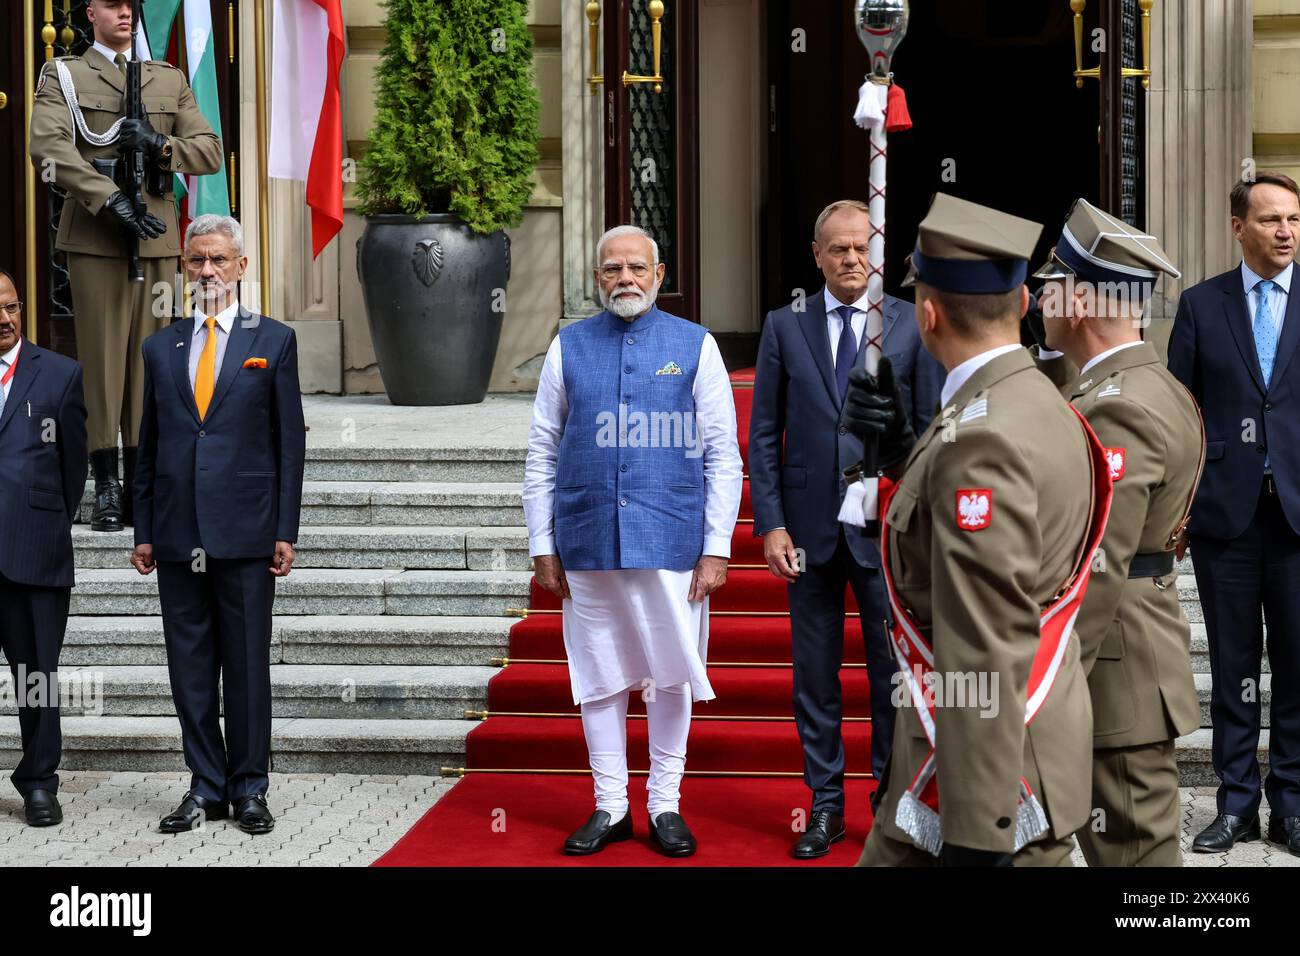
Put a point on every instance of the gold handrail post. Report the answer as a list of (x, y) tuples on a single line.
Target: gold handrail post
[(263, 203), (656, 10), (593, 33)]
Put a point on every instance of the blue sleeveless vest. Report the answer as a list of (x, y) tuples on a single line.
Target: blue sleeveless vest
[(629, 484)]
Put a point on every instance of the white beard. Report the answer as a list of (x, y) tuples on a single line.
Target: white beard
[(627, 306)]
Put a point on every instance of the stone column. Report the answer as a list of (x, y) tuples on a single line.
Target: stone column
[(1199, 121), (583, 163)]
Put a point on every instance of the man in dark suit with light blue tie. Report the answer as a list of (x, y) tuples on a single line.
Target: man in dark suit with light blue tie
[(42, 474), (1234, 346), (217, 498), (797, 454)]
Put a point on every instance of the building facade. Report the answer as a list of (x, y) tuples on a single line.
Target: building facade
[(752, 135)]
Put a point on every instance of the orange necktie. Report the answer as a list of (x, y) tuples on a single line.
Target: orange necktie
[(205, 377)]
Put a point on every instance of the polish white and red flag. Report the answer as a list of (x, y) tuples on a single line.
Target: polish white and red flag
[(306, 141)]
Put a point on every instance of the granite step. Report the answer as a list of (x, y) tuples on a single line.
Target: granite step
[(415, 547), (335, 691), (328, 639), (310, 745), (329, 591), (1195, 768), (298, 744), (416, 463), (1264, 693), (385, 503), (1201, 651)]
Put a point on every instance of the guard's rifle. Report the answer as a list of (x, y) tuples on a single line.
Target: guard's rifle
[(133, 159)]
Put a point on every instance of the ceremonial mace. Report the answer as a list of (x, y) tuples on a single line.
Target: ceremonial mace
[(881, 26)]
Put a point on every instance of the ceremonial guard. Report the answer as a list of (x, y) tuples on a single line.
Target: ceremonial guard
[(1134, 638), (79, 137), (986, 545)]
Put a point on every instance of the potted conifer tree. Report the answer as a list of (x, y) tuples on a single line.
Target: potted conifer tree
[(448, 168)]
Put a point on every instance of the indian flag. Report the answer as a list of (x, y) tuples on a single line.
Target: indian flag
[(306, 115)]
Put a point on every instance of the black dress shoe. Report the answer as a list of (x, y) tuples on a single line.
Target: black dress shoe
[(42, 808), (1286, 831), (192, 810), (592, 836), (253, 815), (1226, 830), (825, 828), (669, 832)]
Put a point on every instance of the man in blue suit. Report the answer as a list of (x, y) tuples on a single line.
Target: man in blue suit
[(43, 473), (797, 454), (217, 497), (1233, 345)]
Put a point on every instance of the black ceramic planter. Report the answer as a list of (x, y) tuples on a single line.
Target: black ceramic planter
[(435, 296)]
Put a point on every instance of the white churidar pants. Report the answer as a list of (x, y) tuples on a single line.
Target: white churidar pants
[(668, 719), (636, 631)]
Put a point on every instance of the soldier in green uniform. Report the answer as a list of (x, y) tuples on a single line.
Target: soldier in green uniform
[(75, 121), (986, 546), (1134, 637)]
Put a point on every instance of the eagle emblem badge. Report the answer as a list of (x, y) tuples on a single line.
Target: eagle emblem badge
[(974, 508), (1117, 459)]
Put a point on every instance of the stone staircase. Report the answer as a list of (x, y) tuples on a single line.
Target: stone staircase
[(411, 551)]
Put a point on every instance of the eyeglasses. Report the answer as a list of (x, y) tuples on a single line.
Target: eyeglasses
[(218, 262), (638, 269), (12, 308)]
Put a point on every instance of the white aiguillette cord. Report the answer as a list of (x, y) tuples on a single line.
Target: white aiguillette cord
[(74, 110)]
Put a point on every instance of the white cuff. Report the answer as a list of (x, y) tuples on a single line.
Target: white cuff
[(717, 546), (540, 545)]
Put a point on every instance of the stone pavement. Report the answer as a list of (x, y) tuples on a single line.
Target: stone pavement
[(111, 819)]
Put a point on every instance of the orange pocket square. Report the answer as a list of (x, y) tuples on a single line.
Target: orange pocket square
[(255, 363)]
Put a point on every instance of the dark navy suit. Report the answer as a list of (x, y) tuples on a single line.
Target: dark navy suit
[(1245, 532), (212, 497), (42, 477), (797, 452)]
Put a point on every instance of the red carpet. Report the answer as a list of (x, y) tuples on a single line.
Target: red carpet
[(522, 820), (744, 818)]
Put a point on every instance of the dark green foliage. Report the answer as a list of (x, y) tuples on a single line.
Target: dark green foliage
[(456, 113)]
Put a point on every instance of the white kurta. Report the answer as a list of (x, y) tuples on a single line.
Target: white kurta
[(627, 628)]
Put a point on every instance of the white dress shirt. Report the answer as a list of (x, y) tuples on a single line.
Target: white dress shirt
[(6, 362), (225, 322), (835, 325), (958, 376), (1102, 356), (110, 55), (1277, 297), (715, 421)]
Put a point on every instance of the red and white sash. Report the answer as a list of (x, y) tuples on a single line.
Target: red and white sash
[(918, 809)]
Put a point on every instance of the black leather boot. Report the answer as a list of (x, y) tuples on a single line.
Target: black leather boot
[(107, 515), (128, 485)]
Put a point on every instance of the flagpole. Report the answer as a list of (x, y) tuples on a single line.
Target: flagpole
[(263, 204)]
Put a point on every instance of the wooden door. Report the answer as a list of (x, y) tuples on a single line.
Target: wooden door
[(651, 140)]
